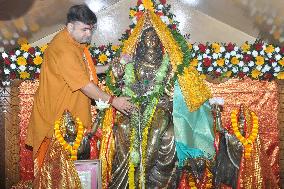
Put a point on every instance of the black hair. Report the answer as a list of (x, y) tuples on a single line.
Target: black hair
[(81, 13)]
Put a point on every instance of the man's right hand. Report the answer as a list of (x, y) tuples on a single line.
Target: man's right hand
[(123, 105)]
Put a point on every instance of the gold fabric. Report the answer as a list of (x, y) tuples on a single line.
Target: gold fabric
[(262, 98), (57, 171)]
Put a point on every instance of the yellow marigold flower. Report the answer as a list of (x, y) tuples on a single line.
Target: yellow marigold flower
[(259, 60), (189, 46), (194, 62), (38, 60), (114, 47), (132, 13), (269, 49), (24, 75), (280, 75), (203, 76), (228, 73), (216, 47), (25, 47), (245, 47), (103, 58), (235, 60), (281, 62), (255, 73), (21, 61), (42, 49), (221, 62), (22, 40)]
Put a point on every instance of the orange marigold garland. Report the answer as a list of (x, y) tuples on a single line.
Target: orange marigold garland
[(73, 149), (246, 141)]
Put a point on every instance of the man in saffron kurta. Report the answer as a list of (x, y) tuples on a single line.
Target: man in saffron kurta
[(65, 80)]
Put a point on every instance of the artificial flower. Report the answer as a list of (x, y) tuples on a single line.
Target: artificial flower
[(255, 73), (216, 47), (24, 75), (235, 60), (25, 47), (259, 60), (37, 60), (221, 62), (245, 47), (269, 49), (21, 61)]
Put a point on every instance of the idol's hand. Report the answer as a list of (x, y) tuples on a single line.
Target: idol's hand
[(123, 105)]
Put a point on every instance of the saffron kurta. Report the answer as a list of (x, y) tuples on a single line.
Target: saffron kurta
[(63, 73)]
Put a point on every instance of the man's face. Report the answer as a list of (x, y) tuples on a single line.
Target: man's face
[(81, 32)]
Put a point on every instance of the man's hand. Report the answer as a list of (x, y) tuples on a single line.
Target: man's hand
[(123, 105)]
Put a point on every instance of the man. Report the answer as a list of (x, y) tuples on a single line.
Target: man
[(67, 81)]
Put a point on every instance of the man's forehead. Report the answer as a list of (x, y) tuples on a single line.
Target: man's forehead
[(83, 25)]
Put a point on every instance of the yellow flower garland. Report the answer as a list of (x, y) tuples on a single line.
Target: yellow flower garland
[(72, 149), (248, 141)]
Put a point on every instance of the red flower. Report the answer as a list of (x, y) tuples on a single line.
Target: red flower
[(217, 74), (13, 75), (128, 31), (36, 75), (207, 62), (247, 58), (163, 2), (160, 13), (202, 48), (32, 50), (102, 47), (230, 47), (94, 60), (139, 15), (282, 50), (7, 61), (174, 27), (12, 53), (271, 60), (139, 2), (268, 76), (30, 60), (241, 74), (258, 46)]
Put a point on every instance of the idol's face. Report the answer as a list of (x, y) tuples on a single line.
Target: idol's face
[(81, 32), (151, 39)]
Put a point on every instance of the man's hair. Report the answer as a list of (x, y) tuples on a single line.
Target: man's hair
[(81, 13)]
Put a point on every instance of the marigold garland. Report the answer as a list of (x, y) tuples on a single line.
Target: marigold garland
[(73, 149), (246, 141)]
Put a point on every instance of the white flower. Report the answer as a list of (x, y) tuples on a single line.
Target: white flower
[(210, 69), (274, 64), (160, 7), (236, 48), (97, 51), (207, 51), (37, 54), (278, 57), (215, 56), (267, 68), (219, 70), (13, 58), (227, 61), (199, 68), (141, 7), (6, 83), (254, 53), (217, 101), (214, 63), (225, 69), (13, 66), (6, 71), (37, 70), (269, 55), (251, 64), (233, 53), (193, 54), (222, 49), (165, 19), (134, 20), (248, 52), (241, 64), (262, 52), (108, 60), (259, 67), (31, 68), (205, 56), (195, 47), (235, 70), (245, 69), (4, 55), (227, 55), (238, 56), (277, 69), (275, 74), (101, 105), (22, 68), (18, 52), (277, 49), (26, 55), (199, 57), (107, 53)]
